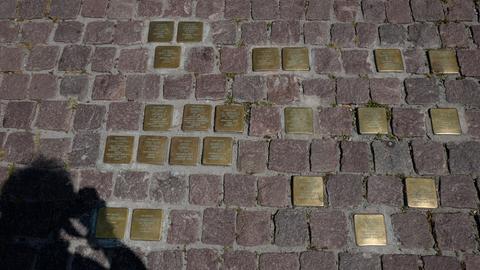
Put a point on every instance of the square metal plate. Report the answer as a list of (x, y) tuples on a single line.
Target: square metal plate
[(229, 118), (266, 59), (111, 223), (160, 31), (370, 230), (118, 149), (167, 56), (296, 59), (443, 61), (308, 191), (445, 121), (158, 117), (217, 151), (152, 150), (184, 151), (190, 32), (146, 224), (373, 120), (421, 193), (299, 120), (389, 60), (196, 117)]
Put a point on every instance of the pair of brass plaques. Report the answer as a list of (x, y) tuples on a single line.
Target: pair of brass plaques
[(445, 121), (370, 230), (187, 31), (389, 60), (443, 61), (228, 118), (308, 191), (216, 151), (421, 193), (146, 224), (373, 120), (151, 149), (298, 120), (293, 59)]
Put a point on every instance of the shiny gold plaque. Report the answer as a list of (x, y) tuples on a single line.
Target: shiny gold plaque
[(229, 118), (266, 59), (196, 117), (190, 32), (184, 151), (167, 56), (296, 59), (373, 120), (370, 230), (389, 60), (111, 223), (217, 151), (445, 122), (118, 149), (160, 32), (299, 120), (308, 191), (443, 61), (152, 149), (158, 117), (146, 224), (421, 193)]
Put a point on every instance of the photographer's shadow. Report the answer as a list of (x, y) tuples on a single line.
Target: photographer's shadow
[(45, 224)]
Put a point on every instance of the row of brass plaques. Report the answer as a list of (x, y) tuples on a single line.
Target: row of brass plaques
[(310, 191), (183, 150), (146, 224), (162, 31), (293, 59)]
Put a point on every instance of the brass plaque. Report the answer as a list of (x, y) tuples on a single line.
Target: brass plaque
[(370, 230), (229, 118), (217, 151), (265, 59), (158, 117), (196, 117), (296, 59), (421, 193), (111, 223), (443, 61), (146, 224), (445, 121), (118, 149), (160, 32), (299, 120), (308, 191), (373, 120), (167, 56), (152, 149), (184, 151), (190, 32), (389, 60)]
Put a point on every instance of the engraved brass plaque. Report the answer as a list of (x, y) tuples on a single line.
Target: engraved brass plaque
[(299, 120), (146, 224), (152, 149), (421, 193), (158, 117), (118, 149), (266, 59), (389, 60), (167, 56), (370, 230), (184, 151), (445, 121), (217, 151), (373, 120), (308, 191), (443, 61), (196, 117), (296, 59), (111, 223), (160, 32), (190, 32), (229, 118)]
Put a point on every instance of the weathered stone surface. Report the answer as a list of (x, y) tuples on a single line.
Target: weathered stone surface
[(465, 92), (353, 91), (392, 34), (265, 121), (184, 227), (326, 60), (124, 116), (274, 191), (218, 226), (170, 260), (321, 88), (345, 190), (386, 90), (458, 191), (385, 190), (254, 228), (131, 185), (424, 35), (400, 262), (455, 231), (467, 60), (329, 229), (359, 261), (202, 259), (316, 33), (282, 89), (289, 155), (412, 230), (441, 263), (241, 260), (392, 157), (324, 155), (249, 88), (178, 86), (200, 60), (278, 261), (356, 62), (429, 157), (408, 122), (205, 189), (291, 228), (422, 91), (427, 10), (239, 190), (463, 158), (168, 187), (19, 114), (335, 121), (252, 156), (356, 157)]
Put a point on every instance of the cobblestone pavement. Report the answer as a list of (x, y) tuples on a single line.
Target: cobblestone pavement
[(74, 72)]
